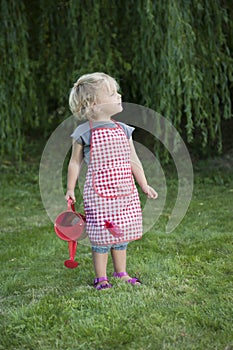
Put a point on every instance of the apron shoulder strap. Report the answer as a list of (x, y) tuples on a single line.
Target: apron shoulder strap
[(119, 126)]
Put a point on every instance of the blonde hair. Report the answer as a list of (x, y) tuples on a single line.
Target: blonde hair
[(84, 93)]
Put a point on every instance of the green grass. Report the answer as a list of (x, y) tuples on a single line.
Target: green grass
[(186, 299)]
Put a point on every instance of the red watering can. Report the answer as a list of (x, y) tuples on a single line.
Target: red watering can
[(70, 226)]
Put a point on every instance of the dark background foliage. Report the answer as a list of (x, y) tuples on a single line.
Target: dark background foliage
[(172, 56)]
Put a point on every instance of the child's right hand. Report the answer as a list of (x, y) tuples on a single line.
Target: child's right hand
[(70, 194)]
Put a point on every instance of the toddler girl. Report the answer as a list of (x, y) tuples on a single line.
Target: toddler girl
[(111, 200)]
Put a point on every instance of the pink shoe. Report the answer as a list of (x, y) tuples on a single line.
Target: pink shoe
[(132, 281), (101, 285)]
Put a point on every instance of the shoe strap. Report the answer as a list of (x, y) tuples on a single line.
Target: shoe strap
[(120, 274), (100, 279), (134, 281)]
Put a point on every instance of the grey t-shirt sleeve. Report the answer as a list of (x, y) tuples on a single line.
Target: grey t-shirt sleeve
[(127, 129), (80, 132)]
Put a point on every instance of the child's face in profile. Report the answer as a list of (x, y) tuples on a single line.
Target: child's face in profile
[(108, 103)]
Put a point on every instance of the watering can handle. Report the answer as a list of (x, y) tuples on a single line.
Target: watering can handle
[(70, 204)]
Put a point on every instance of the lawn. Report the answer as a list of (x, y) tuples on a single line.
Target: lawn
[(185, 302)]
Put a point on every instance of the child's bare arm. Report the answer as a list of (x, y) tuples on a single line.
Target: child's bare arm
[(139, 174), (74, 168)]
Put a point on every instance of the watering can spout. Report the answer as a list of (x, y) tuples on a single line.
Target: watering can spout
[(71, 263)]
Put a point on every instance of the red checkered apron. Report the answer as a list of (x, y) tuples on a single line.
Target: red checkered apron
[(110, 193)]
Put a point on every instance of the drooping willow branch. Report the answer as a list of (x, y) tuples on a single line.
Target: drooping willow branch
[(172, 56)]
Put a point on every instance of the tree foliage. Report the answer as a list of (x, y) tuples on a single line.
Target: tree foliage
[(172, 56)]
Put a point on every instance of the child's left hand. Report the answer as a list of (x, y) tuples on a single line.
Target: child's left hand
[(150, 192)]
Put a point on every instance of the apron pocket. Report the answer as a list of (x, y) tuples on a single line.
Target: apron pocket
[(113, 182)]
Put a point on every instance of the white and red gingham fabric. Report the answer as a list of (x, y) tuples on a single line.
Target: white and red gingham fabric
[(110, 192)]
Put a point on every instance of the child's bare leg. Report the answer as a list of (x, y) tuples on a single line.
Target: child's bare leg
[(100, 264), (119, 262)]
